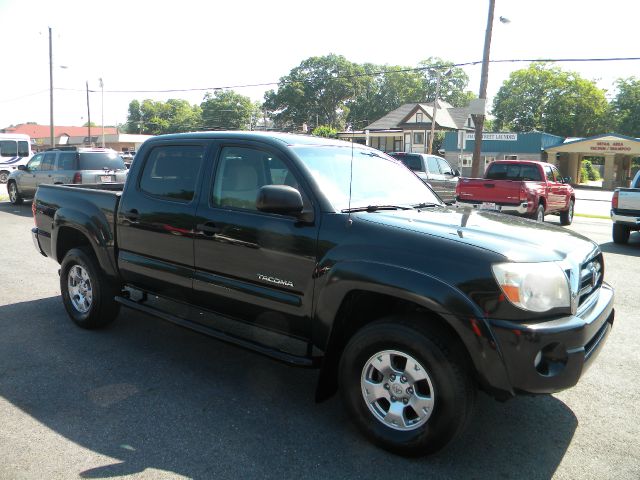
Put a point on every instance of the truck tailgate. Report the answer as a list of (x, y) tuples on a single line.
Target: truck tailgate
[(629, 199), (492, 191)]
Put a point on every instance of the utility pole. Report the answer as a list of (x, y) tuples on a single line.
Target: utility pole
[(102, 109), (89, 114), (479, 119), (51, 132)]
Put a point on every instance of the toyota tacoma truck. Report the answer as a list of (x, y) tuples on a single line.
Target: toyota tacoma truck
[(625, 211), (322, 253), (520, 187)]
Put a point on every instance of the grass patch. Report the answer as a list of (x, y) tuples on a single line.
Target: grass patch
[(588, 215), (4, 198)]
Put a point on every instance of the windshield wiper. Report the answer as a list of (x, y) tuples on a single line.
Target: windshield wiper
[(427, 205), (375, 208)]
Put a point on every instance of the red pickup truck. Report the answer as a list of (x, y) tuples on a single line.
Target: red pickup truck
[(522, 187)]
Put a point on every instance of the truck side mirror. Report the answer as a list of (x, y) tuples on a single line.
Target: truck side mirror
[(456, 172), (281, 199), (566, 180)]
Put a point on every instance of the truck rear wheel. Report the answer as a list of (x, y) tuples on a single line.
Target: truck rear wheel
[(620, 233), (407, 388), (87, 294), (538, 216)]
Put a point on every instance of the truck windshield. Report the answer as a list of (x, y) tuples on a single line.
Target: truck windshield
[(377, 178), (100, 161), (513, 171)]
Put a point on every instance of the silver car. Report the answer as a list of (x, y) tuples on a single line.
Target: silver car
[(64, 166)]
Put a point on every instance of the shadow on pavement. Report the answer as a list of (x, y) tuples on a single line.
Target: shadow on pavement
[(630, 249), (23, 210), (153, 395)]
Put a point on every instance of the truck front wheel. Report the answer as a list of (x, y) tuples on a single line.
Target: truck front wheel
[(87, 294), (566, 217), (406, 387)]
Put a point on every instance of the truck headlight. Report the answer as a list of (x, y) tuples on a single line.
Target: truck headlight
[(537, 287)]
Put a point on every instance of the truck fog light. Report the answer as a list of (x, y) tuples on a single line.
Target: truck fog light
[(551, 360)]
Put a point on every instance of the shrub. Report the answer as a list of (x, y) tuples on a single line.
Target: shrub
[(325, 131)]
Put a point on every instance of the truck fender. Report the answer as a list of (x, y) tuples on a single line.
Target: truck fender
[(93, 224), (443, 302)]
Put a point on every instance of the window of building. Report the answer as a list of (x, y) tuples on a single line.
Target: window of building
[(397, 145), (171, 172), (511, 157), (466, 160), (242, 172), (418, 138), (419, 117)]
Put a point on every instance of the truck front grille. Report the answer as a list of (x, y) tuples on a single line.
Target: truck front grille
[(591, 275)]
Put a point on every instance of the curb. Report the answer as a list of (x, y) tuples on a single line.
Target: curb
[(588, 215)]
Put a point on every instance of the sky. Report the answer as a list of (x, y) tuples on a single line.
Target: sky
[(159, 45)]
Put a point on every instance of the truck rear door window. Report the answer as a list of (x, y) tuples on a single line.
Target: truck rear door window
[(171, 172), (512, 171), (414, 162)]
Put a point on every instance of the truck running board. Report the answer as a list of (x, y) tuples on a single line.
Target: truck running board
[(289, 358)]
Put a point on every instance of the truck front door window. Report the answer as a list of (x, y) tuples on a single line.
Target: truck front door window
[(242, 171)]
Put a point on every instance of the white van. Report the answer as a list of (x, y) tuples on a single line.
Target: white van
[(15, 149)]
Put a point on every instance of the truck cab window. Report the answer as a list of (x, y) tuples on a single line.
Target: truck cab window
[(242, 171), (171, 172)]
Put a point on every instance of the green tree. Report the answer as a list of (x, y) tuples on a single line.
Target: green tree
[(626, 106), (547, 98), (156, 117), (453, 82), (228, 110), (325, 131), (385, 88), (316, 92)]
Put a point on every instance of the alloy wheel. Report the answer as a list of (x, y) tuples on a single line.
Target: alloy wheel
[(397, 390)]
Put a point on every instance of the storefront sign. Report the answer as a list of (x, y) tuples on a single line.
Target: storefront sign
[(504, 137), (610, 147)]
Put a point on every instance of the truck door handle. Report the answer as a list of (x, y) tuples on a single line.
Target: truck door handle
[(209, 229), (132, 215)]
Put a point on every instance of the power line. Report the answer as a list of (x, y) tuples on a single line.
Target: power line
[(357, 75), (369, 74)]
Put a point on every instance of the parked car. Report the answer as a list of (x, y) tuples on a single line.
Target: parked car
[(433, 170), (625, 211), (323, 253), (521, 187), (68, 165)]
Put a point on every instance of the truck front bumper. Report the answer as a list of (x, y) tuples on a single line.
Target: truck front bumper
[(551, 356)]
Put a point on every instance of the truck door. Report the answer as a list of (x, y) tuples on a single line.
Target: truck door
[(156, 219), (253, 266), (435, 177), (555, 198), (449, 181)]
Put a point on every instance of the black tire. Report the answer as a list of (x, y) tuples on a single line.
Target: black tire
[(101, 308), (450, 385), (538, 215), (14, 196), (566, 217), (620, 233), (4, 175)]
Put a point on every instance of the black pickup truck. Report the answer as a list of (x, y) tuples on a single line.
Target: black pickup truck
[(326, 254)]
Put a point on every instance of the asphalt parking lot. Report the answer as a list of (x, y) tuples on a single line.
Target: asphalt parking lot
[(147, 399)]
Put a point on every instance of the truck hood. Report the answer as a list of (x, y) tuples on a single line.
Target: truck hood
[(517, 239)]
